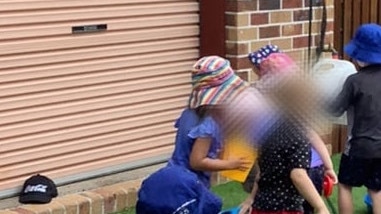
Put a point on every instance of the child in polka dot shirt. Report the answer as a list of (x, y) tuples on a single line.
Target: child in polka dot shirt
[(285, 156), (315, 166)]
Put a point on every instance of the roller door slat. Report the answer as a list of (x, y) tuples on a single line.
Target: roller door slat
[(112, 25), (81, 157), (72, 133), (96, 65), (94, 13), (16, 5), (91, 104), (92, 53), (88, 40), (86, 118), (74, 146)]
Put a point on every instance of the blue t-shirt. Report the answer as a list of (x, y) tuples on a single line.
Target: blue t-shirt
[(189, 128)]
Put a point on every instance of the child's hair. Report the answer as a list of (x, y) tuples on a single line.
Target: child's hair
[(209, 110)]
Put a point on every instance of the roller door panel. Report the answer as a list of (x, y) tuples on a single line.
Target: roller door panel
[(75, 105)]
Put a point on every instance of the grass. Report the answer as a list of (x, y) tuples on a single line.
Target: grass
[(232, 195)]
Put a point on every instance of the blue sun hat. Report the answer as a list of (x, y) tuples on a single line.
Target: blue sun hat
[(366, 44), (258, 56)]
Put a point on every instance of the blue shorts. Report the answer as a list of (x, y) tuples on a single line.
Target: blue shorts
[(357, 172)]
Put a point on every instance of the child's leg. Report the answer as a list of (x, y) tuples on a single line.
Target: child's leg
[(352, 173), (374, 184), (345, 199), (316, 175), (376, 200)]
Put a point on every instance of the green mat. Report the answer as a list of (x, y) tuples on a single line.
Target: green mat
[(232, 194)]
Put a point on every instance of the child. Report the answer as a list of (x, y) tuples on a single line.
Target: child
[(199, 136), (285, 155), (361, 163), (271, 63), (198, 143)]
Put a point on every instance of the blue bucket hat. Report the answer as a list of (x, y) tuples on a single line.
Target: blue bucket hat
[(366, 44)]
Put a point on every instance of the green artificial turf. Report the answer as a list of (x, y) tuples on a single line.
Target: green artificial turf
[(232, 194)]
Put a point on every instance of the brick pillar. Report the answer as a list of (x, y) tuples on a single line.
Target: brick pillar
[(251, 24)]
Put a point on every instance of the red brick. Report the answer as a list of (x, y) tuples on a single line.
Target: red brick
[(330, 26), (269, 4), (230, 19), (259, 18), (315, 3), (292, 3), (328, 39), (96, 201), (132, 197), (244, 75), (237, 48), (269, 32), (290, 30), (7, 212), (301, 15), (240, 6), (121, 200), (240, 63), (22, 211), (300, 42), (108, 200)]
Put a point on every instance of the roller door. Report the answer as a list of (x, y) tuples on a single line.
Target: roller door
[(76, 104)]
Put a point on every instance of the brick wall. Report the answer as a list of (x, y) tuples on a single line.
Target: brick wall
[(252, 24)]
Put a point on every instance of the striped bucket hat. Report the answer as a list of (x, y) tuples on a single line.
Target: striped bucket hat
[(214, 82)]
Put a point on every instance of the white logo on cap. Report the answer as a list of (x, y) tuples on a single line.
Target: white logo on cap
[(35, 188)]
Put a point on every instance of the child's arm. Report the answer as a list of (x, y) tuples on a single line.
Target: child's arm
[(344, 99), (246, 206), (307, 189), (201, 162), (322, 150)]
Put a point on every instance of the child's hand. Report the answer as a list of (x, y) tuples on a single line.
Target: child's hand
[(323, 211), (239, 164), (332, 174), (246, 206)]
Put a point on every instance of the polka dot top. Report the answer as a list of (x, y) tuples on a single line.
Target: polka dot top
[(286, 148)]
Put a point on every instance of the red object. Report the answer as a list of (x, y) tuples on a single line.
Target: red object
[(327, 186)]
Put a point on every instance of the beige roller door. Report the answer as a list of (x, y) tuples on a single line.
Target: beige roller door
[(83, 104)]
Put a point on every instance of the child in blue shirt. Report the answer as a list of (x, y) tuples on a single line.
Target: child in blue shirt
[(197, 145)]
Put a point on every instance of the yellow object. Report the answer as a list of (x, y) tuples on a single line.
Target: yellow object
[(238, 147)]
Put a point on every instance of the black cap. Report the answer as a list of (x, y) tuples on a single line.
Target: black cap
[(38, 189)]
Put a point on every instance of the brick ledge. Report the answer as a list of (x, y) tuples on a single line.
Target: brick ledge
[(104, 200)]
